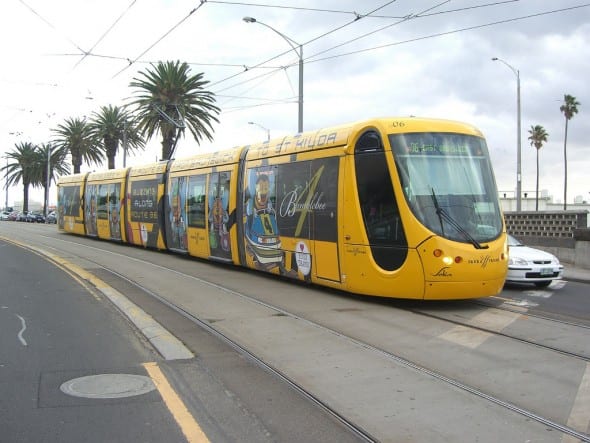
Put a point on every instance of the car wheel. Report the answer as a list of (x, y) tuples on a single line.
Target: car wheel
[(542, 284)]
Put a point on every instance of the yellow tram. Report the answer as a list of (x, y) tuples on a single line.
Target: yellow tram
[(391, 207)]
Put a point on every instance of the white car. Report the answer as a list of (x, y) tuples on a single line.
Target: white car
[(530, 265), (4, 215)]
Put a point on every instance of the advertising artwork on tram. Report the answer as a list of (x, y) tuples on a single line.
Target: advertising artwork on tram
[(90, 210), (144, 212), (263, 241), (290, 207), (219, 217), (177, 214)]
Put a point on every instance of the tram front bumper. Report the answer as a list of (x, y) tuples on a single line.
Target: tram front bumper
[(440, 290)]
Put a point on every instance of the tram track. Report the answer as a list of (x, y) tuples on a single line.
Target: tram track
[(582, 357), (361, 433), (391, 356), (399, 359)]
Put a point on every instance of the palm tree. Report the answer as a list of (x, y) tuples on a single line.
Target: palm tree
[(75, 136), (57, 166), (22, 168), (538, 136), (113, 125), (169, 99), (569, 108)]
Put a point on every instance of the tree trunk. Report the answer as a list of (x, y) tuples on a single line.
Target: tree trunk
[(25, 196), (45, 200)]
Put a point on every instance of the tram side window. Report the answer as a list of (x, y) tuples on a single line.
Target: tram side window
[(102, 202), (70, 199), (114, 197), (196, 201)]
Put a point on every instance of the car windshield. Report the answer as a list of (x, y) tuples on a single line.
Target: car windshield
[(514, 242)]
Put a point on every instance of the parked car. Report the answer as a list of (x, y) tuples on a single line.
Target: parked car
[(530, 265), (35, 217), (51, 218), (22, 216), (4, 215)]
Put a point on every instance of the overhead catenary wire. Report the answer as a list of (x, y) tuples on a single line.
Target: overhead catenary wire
[(424, 13), (310, 58), (314, 58), (48, 23), (105, 33), (354, 13), (131, 62), (455, 31)]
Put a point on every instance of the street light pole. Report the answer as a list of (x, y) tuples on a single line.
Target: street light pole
[(6, 184), (299, 51), (262, 127), (45, 211), (518, 135)]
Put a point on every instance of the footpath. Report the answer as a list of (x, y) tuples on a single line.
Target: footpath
[(573, 273)]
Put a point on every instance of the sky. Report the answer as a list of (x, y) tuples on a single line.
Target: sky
[(375, 58)]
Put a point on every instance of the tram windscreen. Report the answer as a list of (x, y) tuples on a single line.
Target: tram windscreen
[(448, 183)]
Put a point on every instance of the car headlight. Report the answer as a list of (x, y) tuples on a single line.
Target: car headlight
[(554, 261), (517, 261)]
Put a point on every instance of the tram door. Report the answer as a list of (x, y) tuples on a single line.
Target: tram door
[(218, 219), (381, 217), (323, 201)]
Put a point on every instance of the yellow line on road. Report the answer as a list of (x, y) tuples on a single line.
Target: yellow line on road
[(189, 426)]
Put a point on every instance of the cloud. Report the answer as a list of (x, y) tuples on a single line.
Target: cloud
[(436, 65)]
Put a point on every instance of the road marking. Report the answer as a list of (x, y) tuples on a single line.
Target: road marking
[(188, 425), (558, 284), (491, 319), (167, 344), (579, 418), (24, 327), (464, 336), (539, 293)]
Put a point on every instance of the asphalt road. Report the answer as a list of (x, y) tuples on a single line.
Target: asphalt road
[(52, 330), (231, 398), (73, 369)]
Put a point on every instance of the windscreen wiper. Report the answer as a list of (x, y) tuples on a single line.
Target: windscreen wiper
[(444, 215)]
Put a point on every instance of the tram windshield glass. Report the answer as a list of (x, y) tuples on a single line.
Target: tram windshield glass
[(448, 183)]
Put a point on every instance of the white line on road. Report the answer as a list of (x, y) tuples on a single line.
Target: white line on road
[(20, 334), (491, 319)]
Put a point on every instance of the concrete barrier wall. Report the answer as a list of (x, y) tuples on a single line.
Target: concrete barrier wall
[(562, 233), (582, 254)]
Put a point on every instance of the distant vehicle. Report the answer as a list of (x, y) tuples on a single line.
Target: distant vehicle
[(4, 215), (51, 218), (35, 217), (12, 216), (530, 265), (22, 216)]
